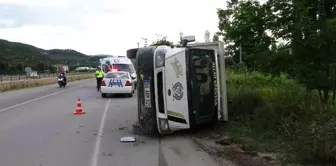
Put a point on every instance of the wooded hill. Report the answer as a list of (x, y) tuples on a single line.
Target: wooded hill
[(14, 57)]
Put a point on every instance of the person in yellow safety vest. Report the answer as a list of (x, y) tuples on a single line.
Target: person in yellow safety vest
[(99, 77)]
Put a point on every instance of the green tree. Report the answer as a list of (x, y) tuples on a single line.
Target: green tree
[(161, 40), (314, 47), (244, 23), (3, 67), (52, 69), (308, 26), (215, 37), (40, 66), (280, 18), (19, 68), (207, 36)]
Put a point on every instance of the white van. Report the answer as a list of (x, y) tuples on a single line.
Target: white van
[(118, 64)]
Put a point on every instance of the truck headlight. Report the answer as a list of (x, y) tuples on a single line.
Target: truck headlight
[(160, 58), (163, 123)]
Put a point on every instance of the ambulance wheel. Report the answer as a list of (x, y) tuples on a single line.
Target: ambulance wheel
[(103, 95), (130, 95)]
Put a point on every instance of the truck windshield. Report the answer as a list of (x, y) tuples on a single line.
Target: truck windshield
[(124, 67), (204, 83)]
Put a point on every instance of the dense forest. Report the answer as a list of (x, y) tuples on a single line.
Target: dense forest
[(14, 57), (282, 76)]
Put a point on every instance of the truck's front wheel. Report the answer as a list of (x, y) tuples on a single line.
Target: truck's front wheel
[(147, 120)]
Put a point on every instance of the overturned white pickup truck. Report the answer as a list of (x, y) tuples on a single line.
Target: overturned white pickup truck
[(180, 87)]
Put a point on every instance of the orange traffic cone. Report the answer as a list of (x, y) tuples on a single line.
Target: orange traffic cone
[(79, 110)]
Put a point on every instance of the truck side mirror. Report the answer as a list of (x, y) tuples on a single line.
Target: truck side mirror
[(189, 38)]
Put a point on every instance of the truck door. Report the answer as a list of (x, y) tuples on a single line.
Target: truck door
[(203, 78), (176, 90)]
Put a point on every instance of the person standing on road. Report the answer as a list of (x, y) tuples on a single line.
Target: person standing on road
[(99, 77)]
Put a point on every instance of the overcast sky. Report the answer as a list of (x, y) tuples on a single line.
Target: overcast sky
[(104, 26)]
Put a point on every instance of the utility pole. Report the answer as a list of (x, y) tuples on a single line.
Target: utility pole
[(240, 51), (181, 36), (138, 44), (44, 68), (240, 54), (145, 41)]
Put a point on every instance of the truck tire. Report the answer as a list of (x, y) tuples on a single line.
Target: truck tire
[(148, 121)]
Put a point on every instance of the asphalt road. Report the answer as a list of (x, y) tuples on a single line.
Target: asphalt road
[(38, 128)]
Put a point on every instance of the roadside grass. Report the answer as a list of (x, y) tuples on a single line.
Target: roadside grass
[(8, 86), (277, 115)]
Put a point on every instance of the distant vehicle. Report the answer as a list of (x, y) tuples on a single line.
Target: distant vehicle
[(119, 64), (117, 82), (33, 74)]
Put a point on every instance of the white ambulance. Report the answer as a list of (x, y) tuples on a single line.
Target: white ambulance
[(118, 64)]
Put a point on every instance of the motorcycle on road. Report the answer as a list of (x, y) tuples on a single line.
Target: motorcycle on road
[(61, 81)]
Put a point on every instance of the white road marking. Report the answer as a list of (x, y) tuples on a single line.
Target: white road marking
[(42, 97), (99, 135)]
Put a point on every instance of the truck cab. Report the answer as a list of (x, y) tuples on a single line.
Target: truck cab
[(178, 88)]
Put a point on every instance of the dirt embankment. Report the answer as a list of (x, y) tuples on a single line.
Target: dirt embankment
[(217, 143)]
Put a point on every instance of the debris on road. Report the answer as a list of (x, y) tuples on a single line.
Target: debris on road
[(127, 139), (122, 128), (106, 154)]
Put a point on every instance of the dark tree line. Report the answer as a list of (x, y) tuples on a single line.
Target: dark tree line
[(306, 29)]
